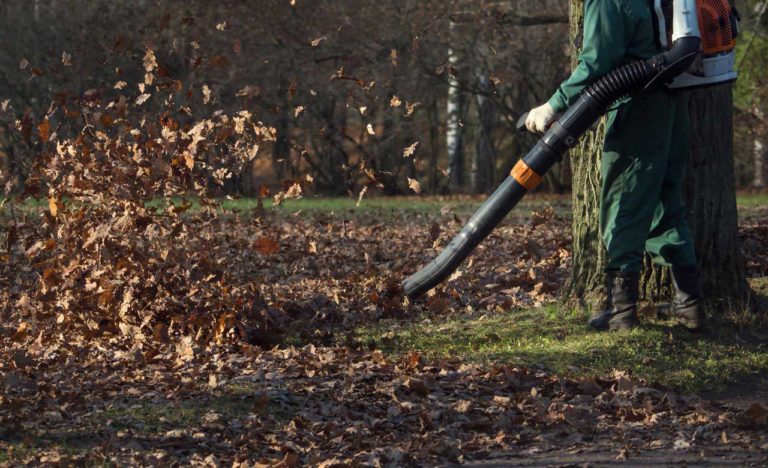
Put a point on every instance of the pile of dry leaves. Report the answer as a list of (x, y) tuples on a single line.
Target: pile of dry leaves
[(103, 258)]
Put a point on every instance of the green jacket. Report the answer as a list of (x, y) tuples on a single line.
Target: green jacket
[(616, 32)]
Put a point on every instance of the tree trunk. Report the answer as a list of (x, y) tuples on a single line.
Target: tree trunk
[(331, 154), (710, 194), (433, 112), (485, 154), (454, 128), (587, 275), (387, 166), (759, 150), (281, 150)]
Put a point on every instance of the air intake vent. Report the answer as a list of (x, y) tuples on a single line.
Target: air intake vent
[(715, 25)]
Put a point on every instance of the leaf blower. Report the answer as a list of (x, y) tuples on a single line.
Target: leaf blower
[(699, 39)]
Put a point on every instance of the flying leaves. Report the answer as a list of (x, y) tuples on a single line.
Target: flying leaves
[(206, 94), (411, 150), (44, 130), (414, 185), (142, 99), (150, 65), (126, 257), (53, 206)]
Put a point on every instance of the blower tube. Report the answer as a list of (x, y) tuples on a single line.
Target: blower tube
[(593, 103)]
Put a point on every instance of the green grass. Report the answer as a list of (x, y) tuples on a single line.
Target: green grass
[(348, 204), (557, 340), (150, 419), (380, 206), (752, 200), (235, 402), (17, 451), (460, 204)]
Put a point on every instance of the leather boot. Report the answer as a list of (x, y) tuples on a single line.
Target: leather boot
[(620, 311), (687, 306)]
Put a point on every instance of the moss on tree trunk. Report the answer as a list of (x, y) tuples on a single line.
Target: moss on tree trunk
[(588, 251)]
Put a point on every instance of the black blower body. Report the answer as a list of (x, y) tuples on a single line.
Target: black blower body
[(593, 103)]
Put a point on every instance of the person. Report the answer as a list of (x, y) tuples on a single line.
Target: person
[(646, 144)]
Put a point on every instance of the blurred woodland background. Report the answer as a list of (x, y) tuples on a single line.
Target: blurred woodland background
[(391, 96)]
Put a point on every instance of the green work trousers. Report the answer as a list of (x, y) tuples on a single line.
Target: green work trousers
[(642, 207)]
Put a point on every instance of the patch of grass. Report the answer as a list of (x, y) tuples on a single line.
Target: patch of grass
[(462, 205), (13, 452), (752, 200), (148, 419), (458, 204), (236, 402), (153, 418), (557, 340), (343, 204)]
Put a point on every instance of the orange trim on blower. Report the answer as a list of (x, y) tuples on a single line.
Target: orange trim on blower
[(525, 176)]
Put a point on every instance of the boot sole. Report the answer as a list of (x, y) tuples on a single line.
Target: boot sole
[(615, 326), (623, 326), (692, 325)]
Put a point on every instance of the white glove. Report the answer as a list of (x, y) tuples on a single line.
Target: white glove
[(540, 118)]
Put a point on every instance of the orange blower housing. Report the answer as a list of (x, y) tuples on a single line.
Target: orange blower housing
[(719, 26)]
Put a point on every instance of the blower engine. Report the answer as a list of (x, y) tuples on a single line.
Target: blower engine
[(698, 36), (718, 23)]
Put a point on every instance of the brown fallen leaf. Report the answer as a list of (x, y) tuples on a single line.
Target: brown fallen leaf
[(756, 414), (463, 406), (266, 246), (418, 386)]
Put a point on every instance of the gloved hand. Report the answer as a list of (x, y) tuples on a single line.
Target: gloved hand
[(540, 118)]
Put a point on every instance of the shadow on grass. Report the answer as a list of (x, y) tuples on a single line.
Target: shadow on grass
[(158, 424), (558, 341)]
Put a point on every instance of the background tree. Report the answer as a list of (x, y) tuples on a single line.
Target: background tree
[(752, 98), (320, 73)]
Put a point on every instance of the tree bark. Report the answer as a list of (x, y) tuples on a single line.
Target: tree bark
[(710, 188), (587, 275), (387, 164), (281, 150), (454, 130), (485, 153), (433, 111), (759, 150), (332, 158)]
